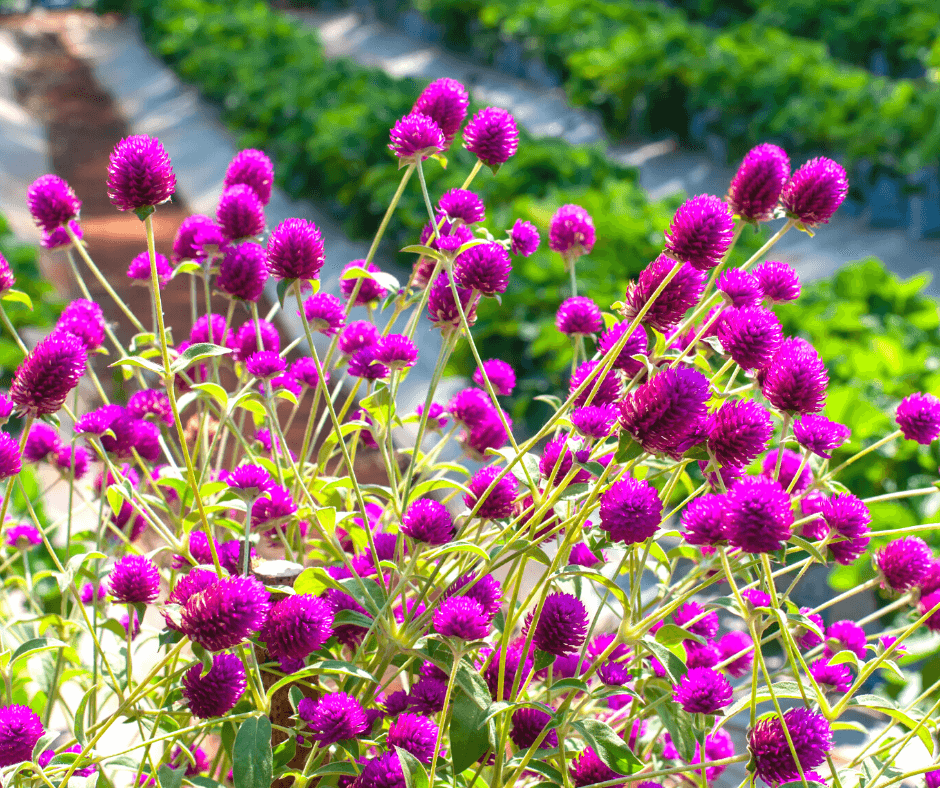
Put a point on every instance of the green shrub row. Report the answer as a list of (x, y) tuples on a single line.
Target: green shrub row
[(647, 68)]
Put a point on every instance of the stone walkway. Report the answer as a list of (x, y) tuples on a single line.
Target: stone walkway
[(665, 168)]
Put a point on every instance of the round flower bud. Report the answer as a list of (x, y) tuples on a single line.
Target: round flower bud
[(739, 432), (497, 503), (139, 269), (225, 613), (59, 239), (445, 101), (295, 250), (240, 213), (140, 174), (492, 136), (796, 378), (571, 231), (415, 734), (773, 760), (463, 205), (20, 731), (396, 351), (849, 518), (484, 589), (778, 281), (918, 417), (742, 287), (254, 169), (579, 316), (443, 310), (595, 422), (369, 289), (415, 137), (484, 267), (528, 724), (461, 617), (608, 391), (325, 313), (757, 515), (704, 624), (297, 626), (523, 238), (245, 342), (630, 511), (216, 693), (661, 413), (740, 646), (429, 521), (750, 335), (335, 717), (265, 364), (562, 625), (52, 203), (789, 466), (677, 297), (48, 373), (756, 187), (903, 563), (243, 271), (85, 320), (635, 345), (197, 236), (134, 579), (703, 691), (815, 191), (701, 232), (703, 522), (835, 677), (820, 435), (500, 374)]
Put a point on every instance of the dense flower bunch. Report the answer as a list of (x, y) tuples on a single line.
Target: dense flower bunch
[(270, 558)]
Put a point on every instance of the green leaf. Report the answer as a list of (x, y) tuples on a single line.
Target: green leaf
[(171, 778), (18, 297), (215, 391), (284, 752), (678, 722), (252, 757), (610, 748), (283, 286), (195, 353), (578, 685), (671, 635), (675, 667), (886, 706), (472, 683), (469, 737), (137, 361), (416, 776), (627, 448), (542, 659), (426, 251), (36, 646)]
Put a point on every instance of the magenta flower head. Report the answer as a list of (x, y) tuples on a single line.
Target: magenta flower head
[(741, 287), (778, 281), (500, 374), (396, 351), (701, 232), (211, 328), (756, 187), (134, 579), (789, 465), (571, 232), (635, 345), (903, 563), (382, 771), (243, 271), (265, 364), (562, 625), (295, 250), (820, 435), (59, 238), (10, 462), (428, 521), (484, 267), (932, 778), (251, 168), (488, 434), (678, 296), (485, 590), (579, 316), (414, 733), (358, 335), (608, 391), (837, 677), (85, 320), (225, 613), (528, 724), (46, 376), (218, 691), (469, 407), (706, 624), (750, 335), (630, 511), (240, 213), (462, 205), (918, 417), (702, 520), (461, 617), (335, 717), (140, 174), (369, 289), (196, 238), (20, 730), (661, 412), (796, 378), (927, 604), (23, 536), (139, 269), (297, 626), (849, 518), (739, 432), (325, 313), (250, 480), (443, 310), (806, 638), (492, 136), (773, 761), (703, 691), (815, 191), (304, 371), (594, 421), (363, 364), (7, 279), (497, 503), (415, 137), (245, 342), (52, 203), (757, 516), (523, 238), (445, 101), (739, 646)]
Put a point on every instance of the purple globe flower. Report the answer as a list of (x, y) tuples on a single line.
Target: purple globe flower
[(756, 597), (806, 638), (820, 435), (928, 605), (363, 364), (45, 758), (796, 378), (216, 693), (484, 267), (497, 503), (850, 519), (304, 371), (358, 335), (461, 617), (595, 422), (789, 465), (140, 174), (581, 555), (240, 213), (20, 730), (251, 168), (197, 237), (488, 434), (85, 320), (739, 432), (427, 695), (740, 647), (701, 232), (903, 563), (469, 407), (139, 269), (704, 624), (485, 590), (52, 203), (225, 613), (750, 335), (415, 734), (134, 579), (265, 364), (661, 413), (150, 402), (211, 328), (523, 238), (703, 691), (369, 289), (556, 462), (48, 373), (443, 311), (396, 351), (588, 769), (492, 136), (757, 515), (435, 419), (336, 716), (245, 342), (429, 521), (23, 536), (756, 187), (918, 416), (500, 374), (325, 313), (382, 771), (608, 391), (295, 250), (252, 480), (579, 316), (932, 778), (630, 511), (463, 205), (815, 191), (835, 677), (243, 271), (682, 292), (778, 281), (562, 625), (43, 440), (635, 345), (528, 724), (415, 137), (59, 238), (7, 279), (773, 761), (742, 287), (845, 636), (702, 521), (445, 101), (297, 626), (273, 507), (571, 232)]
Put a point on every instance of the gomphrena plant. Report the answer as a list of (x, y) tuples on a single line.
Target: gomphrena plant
[(613, 600)]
